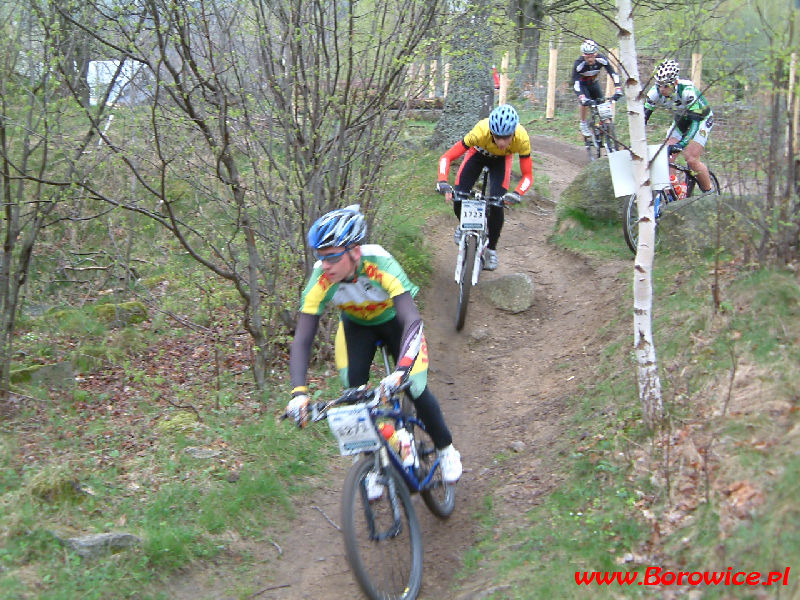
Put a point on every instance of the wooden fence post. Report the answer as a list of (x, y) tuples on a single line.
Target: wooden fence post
[(550, 107), (503, 93), (697, 70), (613, 57), (791, 105)]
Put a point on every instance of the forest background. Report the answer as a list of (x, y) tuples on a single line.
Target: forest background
[(169, 207)]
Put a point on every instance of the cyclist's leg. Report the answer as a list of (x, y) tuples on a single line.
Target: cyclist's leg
[(354, 350), (586, 90), (499, 180), (467, 175), (428, 409), (694, 150)]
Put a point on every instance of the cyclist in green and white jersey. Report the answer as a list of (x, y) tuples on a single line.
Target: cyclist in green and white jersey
[(693, 117)]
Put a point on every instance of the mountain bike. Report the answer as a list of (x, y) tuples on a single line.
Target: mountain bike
[(662, 198), (602, 127), (474, 241), (382, 536)]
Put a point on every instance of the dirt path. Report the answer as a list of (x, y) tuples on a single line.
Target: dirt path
[(503, 378)]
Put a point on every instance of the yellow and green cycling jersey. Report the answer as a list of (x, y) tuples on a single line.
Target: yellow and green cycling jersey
[(367, 299)]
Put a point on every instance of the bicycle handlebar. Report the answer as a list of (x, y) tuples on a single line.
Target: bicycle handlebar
[(490, 200), (362, 393)]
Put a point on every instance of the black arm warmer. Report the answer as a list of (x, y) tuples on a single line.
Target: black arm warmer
[(300, 353)]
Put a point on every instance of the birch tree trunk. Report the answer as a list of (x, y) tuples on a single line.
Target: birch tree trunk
[(647, 366)]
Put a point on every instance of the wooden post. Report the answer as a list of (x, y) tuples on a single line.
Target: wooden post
[(791, 103), (432, 80), (613, 57), (503, 93), (697, 70), (550, 107), (412, 70), (613, 53), (446, 78)]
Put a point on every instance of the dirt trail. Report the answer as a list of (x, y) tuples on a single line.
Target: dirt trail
[(503, 378)]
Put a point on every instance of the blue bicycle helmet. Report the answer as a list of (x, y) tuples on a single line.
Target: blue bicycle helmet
[(503, 120), (341, 227)]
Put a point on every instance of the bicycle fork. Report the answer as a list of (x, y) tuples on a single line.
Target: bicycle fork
[(480, 247), (394, 529)]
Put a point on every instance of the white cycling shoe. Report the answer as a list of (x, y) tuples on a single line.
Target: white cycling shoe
[(450, 461), (489, 259), (457, 235), (585, 131), (374, 489)]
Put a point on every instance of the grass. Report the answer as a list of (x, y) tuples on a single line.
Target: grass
[(112, 451), (601, 517)]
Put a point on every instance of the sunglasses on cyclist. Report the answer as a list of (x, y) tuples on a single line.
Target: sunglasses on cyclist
[(331, 258)]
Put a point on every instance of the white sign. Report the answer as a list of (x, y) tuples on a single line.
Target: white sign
[(621, 166)]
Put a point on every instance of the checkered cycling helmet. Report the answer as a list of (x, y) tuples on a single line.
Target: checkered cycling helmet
[(503, 120), (340, 227), (667, 72), (589, 47)]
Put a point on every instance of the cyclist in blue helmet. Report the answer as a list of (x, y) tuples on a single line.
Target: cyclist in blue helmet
[(376, 302), (492, 143)]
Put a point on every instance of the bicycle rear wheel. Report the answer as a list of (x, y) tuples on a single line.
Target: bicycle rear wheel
[(382, 538), (439, 497), (465, 283), (630, 222), (692, 186)]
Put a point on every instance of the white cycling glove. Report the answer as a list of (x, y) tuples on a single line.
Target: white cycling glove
[(390, 383), (297, 409)]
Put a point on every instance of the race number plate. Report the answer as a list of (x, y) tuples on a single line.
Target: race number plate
[(472, 214), (354, 429), (605, 110)]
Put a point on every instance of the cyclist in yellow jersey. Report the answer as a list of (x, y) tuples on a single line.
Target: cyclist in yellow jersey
[(376, 300), (492, 142)]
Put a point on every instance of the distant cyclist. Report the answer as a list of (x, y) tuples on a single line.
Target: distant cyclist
[(492, 143), (693, 117), (376, 303), (584, 80)]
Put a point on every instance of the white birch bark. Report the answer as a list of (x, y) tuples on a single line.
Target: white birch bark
[(646, 364)]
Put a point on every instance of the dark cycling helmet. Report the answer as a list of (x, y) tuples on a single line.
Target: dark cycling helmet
[(340, 227), (589, 47), (503, 120), (667, 72)]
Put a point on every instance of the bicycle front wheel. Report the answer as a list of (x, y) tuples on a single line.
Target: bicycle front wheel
[(630, 222), (609, 138), (465, 281), (382, 538)]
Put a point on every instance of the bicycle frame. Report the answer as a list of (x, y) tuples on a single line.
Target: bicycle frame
[(481, 235), (386, 454), (602, 128)]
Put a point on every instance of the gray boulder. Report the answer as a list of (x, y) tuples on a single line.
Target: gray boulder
[(694, 226), (513, 292), (592, 193), (97, 544)]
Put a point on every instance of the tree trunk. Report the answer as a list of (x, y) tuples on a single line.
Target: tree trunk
[(647, 366), (531, 15), (470, 93)]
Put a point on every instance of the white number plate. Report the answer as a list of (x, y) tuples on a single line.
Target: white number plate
[(354, 429), (605, 110), (472, 214)]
